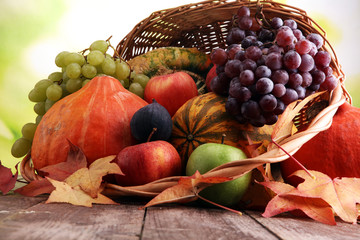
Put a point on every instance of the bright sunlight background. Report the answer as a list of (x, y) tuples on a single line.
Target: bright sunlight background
[(32, 32)]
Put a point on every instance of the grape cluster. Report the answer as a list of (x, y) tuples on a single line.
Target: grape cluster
[(77, 69), (264, 69)]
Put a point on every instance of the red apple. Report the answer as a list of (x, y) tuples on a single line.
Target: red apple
[(335, 151), (211, 74), (171, 90), (147, 162)]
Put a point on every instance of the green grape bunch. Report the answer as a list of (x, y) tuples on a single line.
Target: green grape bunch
[(75, 70)]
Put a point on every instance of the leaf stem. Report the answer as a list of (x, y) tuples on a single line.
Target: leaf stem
[(294, 159), (218, 205)]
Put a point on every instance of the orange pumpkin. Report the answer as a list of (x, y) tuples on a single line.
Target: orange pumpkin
[(96, 118), (335, 151), (203, 119)]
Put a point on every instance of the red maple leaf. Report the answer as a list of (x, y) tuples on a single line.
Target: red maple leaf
[(186, 190), (319, 197), (315, 208), (7, 179), (75, 160)]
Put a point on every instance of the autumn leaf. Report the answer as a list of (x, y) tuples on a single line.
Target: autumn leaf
[(315, 208), (75, 160), (252, 147), (7, 179), (186, 190), (318, 197), (285, 126), (89, 179), (342, 194), (64, 193), (256, 196), (36, 188), (83, 187)]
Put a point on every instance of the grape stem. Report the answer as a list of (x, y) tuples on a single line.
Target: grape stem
[(294, 159), (259, 15), (116, 55), (115, 52), (108, 40), (83, 51), (59, 82)]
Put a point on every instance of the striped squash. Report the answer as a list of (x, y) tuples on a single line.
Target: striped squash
[(203, 119), (155, 61)]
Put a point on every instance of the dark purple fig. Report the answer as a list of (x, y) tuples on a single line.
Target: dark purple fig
[(150, 117)]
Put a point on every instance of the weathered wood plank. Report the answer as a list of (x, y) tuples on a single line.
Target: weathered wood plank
[(13, 203), (65, 221), (289, 227), (176, 222), (30, 218)]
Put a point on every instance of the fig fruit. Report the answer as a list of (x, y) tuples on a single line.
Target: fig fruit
[(149, 117)]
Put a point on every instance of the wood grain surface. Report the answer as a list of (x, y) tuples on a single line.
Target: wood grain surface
[(28, 218)]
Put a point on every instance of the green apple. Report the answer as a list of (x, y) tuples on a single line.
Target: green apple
[(210, 155)]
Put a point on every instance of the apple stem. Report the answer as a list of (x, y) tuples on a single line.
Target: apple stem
[(223, 138), (151, 134), (218, 205), (294, 159)]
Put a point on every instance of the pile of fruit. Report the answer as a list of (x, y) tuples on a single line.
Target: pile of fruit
[(152, 112), (76, 69)]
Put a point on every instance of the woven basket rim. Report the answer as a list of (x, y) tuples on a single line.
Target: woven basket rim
[(126, 50), (130, 45), (208, 5)]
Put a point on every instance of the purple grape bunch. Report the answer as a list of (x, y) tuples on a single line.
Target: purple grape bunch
[(265, 69)]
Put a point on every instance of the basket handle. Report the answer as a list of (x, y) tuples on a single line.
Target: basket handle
[(26, 170)]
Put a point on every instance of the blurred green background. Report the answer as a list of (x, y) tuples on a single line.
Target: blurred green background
[(32, 32)]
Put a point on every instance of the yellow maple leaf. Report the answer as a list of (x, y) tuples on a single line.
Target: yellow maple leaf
[(89, 179), (65, 193)]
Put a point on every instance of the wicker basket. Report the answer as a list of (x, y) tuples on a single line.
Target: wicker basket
[(205, 25)]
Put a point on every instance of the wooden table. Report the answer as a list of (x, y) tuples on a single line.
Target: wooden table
[(30, 218)]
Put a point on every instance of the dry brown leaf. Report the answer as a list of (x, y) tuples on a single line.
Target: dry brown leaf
[(64, 193), (60, 171), (318, 197), (257, 196), (342, 194), (186, 190), (285, 126), (7, 179), (89, 179), (36, 188), (315, 208), (151, 189), (75, 160)]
